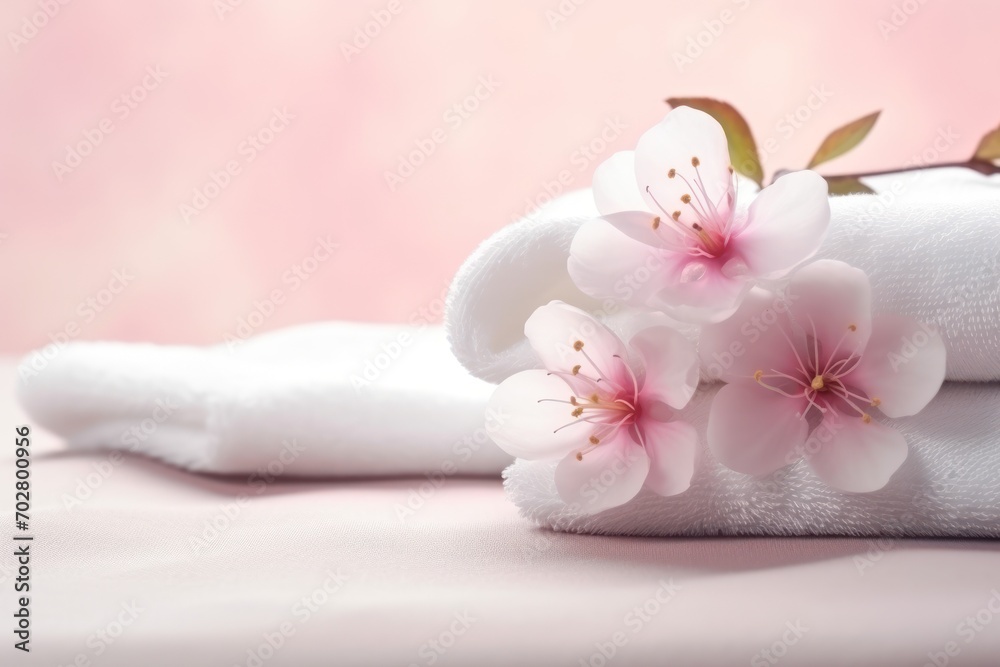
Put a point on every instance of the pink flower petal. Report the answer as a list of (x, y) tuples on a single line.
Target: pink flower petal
[(614, 185), (554, 330), (751, 339), (606, 264), (858, 457), (696, 290), (639, 225), (787, 223), (526, 427), (671, 366), (608, 476), (671, 447), (753, 430), (836, 298), (903, 365), (683, 134)]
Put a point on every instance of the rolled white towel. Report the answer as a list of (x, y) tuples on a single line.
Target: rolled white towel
[(929, 241), (949, 485)]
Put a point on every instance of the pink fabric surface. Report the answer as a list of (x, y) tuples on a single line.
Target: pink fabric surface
[(462, 570)]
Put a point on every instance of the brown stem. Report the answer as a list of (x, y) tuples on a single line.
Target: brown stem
[(982, 166)]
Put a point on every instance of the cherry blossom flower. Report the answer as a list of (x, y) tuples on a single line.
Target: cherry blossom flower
[(675, 237), (607, 414), (815, 359)]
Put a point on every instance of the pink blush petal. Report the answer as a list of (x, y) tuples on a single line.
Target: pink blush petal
[(608, 476), (903, 365), (859, 457), (672, 447), (753, 430), (671, 366), (751, 339), (604, 263), (553, 331), (683, 134), (526, 427), (834, 297), (641, 226), (703, 295), (787, 223), (614, 185)]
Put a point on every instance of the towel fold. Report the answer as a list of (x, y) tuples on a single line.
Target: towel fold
[(949, 485), (334, 399), (929, 241)]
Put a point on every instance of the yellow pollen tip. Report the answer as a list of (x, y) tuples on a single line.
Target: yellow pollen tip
[(866, 418), (876, 402), (758, 375), (675, 215), (686, 198), (572, 400), (594, 398), (852, 327), (671, 173), (656, 222), (818, 383), (576, 371), (594, 440), (579, 456), (695, 161), (578, 345), (577, 412)]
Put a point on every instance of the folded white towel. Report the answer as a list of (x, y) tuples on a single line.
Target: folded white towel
[(334, 399), (929, 241), (949, 485)]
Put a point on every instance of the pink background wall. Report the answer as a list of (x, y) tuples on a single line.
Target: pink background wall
[(558, 85)]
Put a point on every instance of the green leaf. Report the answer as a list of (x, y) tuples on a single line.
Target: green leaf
[(847, 185), (843, 139), (989, 147), (742, 147)]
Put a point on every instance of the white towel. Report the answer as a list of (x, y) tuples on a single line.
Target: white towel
[(334, 399), (949, 485), (929, 241)]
